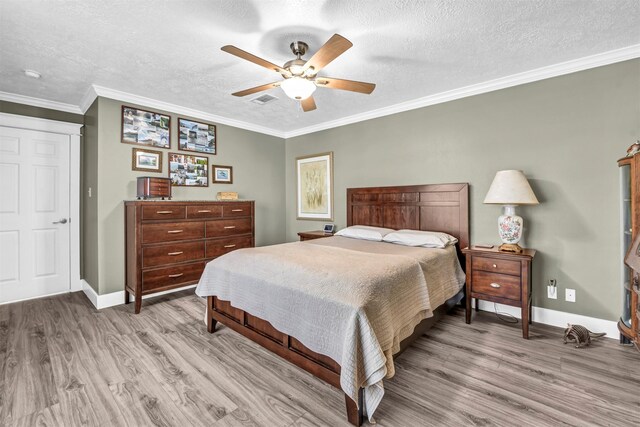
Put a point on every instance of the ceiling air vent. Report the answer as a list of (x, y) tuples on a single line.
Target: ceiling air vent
[(264, 99)]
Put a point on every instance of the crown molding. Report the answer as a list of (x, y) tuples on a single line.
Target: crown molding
[(39, 102), (87, 100), (568, 67), (178, 109)]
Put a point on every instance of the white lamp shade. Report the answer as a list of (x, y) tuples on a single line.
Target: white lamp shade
[(298, 88), (510, 187)]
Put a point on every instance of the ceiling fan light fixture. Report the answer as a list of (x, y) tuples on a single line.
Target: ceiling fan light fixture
[(298, 88)]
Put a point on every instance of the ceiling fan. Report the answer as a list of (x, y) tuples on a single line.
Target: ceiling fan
[(301, 77)]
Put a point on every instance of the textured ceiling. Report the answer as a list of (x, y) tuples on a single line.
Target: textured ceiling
[(170, 50)]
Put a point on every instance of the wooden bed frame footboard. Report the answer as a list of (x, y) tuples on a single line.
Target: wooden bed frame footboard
[(434, 207), (285, 346)]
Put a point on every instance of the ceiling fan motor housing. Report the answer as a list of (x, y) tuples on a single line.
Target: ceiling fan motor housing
[(294, 67)]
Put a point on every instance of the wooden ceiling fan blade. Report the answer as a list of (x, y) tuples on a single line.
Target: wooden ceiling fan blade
[(256, 89), (308, 104), (255, 59), (333, 48), (351, 85)]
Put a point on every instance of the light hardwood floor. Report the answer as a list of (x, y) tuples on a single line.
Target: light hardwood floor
[(65, 363)]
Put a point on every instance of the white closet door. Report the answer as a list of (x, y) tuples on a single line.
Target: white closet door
[(34, 214)]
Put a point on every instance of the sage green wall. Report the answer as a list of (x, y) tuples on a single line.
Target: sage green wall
[(89, 205), (258, 174), (43, 113), (565, 133)]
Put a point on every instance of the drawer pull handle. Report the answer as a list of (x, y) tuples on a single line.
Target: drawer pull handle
[(164, 212), (204, 211), (237, 210), (173, 276), (495, 285), (229, 246), (495, 266), (174, 231), (230, 226), (175, 253)]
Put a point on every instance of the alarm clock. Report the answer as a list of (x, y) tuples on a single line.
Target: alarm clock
[(329, 228)]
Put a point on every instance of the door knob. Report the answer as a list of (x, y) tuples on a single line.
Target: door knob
[(62, 221)]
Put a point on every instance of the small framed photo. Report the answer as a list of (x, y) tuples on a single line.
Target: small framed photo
[(146, 160), (188, 170), (222, 174), (314, 184), (145, 128), (196, 136)]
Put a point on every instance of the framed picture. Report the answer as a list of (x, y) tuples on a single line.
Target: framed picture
[(188, 170), (314, 182), (196, 136), (146, 160), (222, 174), (145, 128)]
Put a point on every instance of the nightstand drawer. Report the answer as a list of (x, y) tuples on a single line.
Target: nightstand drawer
[(498, 285), (496, 265)]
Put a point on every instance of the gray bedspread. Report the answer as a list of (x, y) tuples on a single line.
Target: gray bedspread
[(351, 300)]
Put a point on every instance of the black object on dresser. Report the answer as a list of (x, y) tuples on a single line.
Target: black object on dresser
[(502, 277), (167, 244)]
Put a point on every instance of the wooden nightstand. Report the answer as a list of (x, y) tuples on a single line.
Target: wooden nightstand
[(501, 277), (310, 235)]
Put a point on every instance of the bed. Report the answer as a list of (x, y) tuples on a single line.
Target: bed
[(352, 321)]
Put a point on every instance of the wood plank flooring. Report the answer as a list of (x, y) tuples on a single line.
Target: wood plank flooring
[(63, 363)]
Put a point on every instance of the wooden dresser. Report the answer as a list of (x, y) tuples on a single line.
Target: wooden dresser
[(168, 243)]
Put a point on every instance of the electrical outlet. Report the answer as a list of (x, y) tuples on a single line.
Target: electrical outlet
[(570, 295)]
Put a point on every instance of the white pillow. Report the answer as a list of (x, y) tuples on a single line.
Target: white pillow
[(364, 232), (425, 239)]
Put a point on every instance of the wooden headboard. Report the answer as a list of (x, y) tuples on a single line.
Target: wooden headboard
[(432, 207)]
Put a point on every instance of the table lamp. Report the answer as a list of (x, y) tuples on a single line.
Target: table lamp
[(510, 188)]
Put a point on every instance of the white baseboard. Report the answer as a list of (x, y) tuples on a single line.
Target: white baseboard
[(557, 318), (538, 314), (117, 298)]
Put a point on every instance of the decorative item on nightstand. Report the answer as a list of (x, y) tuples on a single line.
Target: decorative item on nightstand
[(510, 188)]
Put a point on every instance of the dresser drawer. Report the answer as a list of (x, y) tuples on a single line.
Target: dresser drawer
[(228, 227), (172, 231), (172, 276), (230, 210), (163, 212), (496, 265), (218, 247), (154, 256), (498, 285), (204, 211)]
